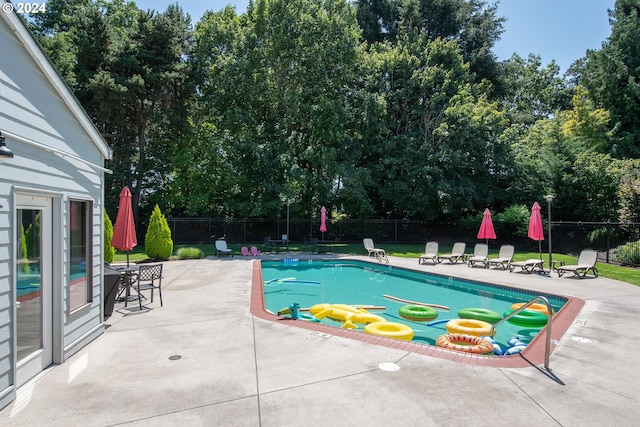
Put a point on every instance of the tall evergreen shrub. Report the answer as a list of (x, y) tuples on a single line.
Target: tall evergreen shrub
[(158, 243), (109, 251)]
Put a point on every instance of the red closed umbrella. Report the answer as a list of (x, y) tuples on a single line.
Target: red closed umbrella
[(323, 221), (536, 231), (486, 228), (124, 232)]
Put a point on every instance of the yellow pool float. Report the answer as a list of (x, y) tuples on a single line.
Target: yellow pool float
[(477, 328), (347, 314), (395, 330), (541, 308)]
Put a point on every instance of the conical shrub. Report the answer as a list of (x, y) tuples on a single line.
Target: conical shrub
[(157, 242), (109, 251)]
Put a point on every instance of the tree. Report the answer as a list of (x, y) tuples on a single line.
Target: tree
[(130, 70), (629, 192), (275, 90), (612, 76), (530, 91)]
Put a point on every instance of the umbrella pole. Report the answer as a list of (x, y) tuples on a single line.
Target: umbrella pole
[(540, 249), (128, 258)]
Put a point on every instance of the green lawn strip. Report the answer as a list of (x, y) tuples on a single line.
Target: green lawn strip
[(408, 250)]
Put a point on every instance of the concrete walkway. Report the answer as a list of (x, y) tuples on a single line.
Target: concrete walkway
[(204, 360)]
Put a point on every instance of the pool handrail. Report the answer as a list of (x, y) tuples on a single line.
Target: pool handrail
[(549, 316)]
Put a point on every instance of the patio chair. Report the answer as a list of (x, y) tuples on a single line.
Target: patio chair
[(586, 261), (268, 245), (457, 253), (149, 278), (430, 253), (379, 253), (530, 266), (255, 251), (313, 245), (504, 257), (480, 255), (244, 251), (222, 249)]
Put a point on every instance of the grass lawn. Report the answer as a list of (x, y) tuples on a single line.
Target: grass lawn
[(408, 250)]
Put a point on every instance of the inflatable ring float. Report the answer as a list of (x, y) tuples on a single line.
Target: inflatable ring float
[(398, 331), (347, 314), (418, 313), (483, 314), (542, 308), (527, 318), (474, 327), (466, 343)]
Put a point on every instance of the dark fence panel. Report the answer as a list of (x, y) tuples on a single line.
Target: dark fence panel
[(616, 242)]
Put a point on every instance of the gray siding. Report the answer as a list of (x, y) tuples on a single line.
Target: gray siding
[(35, 110)]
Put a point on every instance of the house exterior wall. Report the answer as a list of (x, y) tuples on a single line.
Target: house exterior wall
[(57, 154)]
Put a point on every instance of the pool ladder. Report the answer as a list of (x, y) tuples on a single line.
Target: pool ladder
[(549, 316)]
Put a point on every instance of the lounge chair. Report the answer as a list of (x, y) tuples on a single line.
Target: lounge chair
[(530, 265), (379, 253), (255, 251), (504, 257), (222, 249), (430, 253), (480, 255), (457, 253), (244, 251), (586, 261)]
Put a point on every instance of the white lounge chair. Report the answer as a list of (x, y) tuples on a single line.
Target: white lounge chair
[(430, 253), (457, 253), (530, 265), (480, 255), (379, 253), (504, 257), (222, 249), (586, 261)]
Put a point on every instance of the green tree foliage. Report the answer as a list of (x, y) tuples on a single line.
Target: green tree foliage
[(612, 76), (109, 251), (158, 243), (275, 94), (373, 108), (532, 92), (474, 24), (130, 70), (629, 192), (434, 143)]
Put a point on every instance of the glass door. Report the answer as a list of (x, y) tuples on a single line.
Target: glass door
[(33, 286)]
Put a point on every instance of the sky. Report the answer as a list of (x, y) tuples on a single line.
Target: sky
[(560, 30)]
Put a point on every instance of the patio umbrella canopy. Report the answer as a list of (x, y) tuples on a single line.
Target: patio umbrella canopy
[(323, 221), (486, 228), (124, 231), (536, 232)]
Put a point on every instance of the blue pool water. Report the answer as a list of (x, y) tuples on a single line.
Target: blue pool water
[(362, 283)]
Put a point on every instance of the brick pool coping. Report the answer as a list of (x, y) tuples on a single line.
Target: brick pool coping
[(533, 355)]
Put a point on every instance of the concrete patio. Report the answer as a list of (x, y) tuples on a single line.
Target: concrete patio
[(204, 360)]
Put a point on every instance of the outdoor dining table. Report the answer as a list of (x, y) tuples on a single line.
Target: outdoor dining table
[(127, 281), (278, 243)]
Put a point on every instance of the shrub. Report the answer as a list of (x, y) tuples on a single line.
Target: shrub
[(629, 254), (109, 251), (514, 219), (601, 238), (158, 243), (189, 253)]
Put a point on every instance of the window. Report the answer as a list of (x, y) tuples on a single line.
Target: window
[(80, 256)]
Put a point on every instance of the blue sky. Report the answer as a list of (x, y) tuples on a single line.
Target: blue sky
[(554, 29)]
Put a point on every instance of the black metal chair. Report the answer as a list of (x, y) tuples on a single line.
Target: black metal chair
[(149, 278)]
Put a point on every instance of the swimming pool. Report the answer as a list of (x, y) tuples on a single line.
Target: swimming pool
[(356, 282)]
